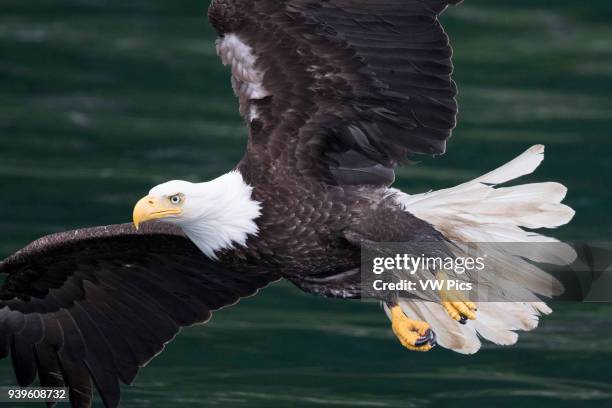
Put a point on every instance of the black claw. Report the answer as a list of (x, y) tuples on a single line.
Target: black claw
[(463, 319), (428, 338), (430, 334), (421, 341), (432, 339)]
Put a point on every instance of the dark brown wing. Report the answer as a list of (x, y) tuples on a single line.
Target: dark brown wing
[(93, 306), (338, 90)]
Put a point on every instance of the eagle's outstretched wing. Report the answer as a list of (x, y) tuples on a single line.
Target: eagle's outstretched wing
[(338, 90), (93, 306)]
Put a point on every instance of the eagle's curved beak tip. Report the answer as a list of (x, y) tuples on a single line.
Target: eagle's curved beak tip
[(142, 211)]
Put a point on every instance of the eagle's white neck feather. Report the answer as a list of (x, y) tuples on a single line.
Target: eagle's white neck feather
[(218, 214)]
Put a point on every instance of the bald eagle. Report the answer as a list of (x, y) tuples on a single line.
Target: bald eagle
[(335, 94)]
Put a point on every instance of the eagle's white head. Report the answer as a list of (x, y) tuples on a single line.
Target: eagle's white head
[(215, 215)]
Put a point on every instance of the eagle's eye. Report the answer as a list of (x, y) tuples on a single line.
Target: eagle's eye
[(176, 199)]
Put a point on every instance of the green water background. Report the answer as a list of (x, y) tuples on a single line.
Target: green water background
[(100, 100)]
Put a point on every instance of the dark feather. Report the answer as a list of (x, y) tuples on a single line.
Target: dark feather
[(94, 306), (24, 364), (78, 380), (355, 86)]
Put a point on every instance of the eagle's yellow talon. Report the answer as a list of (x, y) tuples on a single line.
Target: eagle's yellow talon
[(455, 303), (413, 334), (458, 310)]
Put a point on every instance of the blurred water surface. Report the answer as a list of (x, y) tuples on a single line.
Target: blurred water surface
[(101, 99)]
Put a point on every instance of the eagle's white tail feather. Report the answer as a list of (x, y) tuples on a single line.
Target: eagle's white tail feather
[(476, 211), (524, 164), (496, 322)]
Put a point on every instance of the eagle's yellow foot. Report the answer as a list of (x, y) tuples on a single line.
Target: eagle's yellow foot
[(455, 303), (460, 311), (413, 334)]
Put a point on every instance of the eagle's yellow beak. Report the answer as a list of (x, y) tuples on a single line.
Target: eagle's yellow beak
[(152, 208)]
